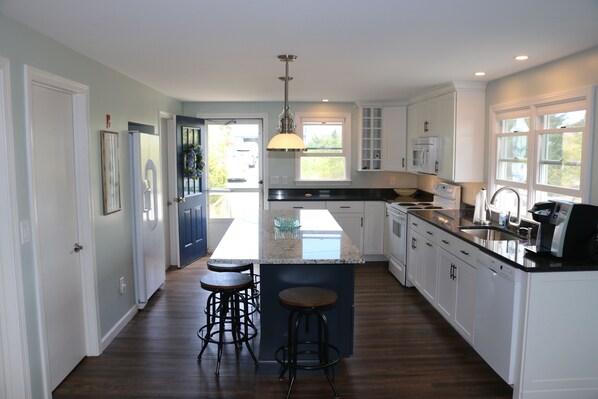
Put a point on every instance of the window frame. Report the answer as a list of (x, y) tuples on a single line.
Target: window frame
[(336, 117), (536, 108)]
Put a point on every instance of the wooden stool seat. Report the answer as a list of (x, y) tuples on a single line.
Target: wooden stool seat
[(226, 281), (307, 297), (229, 266)]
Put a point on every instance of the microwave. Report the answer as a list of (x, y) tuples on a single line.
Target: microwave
[(424, 155)]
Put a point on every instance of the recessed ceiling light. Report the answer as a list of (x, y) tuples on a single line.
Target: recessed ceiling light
[(521, 57), (325, 100), (480, 74)]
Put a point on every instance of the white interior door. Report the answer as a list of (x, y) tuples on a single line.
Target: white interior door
[(56, 220)]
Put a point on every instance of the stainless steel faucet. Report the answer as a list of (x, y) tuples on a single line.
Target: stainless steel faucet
[(506, 188)]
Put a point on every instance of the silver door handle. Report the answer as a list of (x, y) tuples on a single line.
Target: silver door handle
[(78, 247)]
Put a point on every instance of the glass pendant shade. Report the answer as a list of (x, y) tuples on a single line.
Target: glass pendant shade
[(285, 138)]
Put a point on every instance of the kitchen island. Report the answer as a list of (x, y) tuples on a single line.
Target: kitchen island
[(317, 253)]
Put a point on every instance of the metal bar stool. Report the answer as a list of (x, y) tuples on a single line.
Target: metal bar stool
[(227, 313), (304, 302), (240, 267)]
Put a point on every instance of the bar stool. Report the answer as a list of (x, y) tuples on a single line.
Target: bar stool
[(303, 302), (227, 311), (240, 267)]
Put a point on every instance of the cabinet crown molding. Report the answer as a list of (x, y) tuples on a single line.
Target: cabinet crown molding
[(447, 88)]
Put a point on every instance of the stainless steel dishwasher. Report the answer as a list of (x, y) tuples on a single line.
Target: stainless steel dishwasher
[(497, 314)]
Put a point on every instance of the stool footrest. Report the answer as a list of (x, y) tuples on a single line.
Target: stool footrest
[(302, 350)]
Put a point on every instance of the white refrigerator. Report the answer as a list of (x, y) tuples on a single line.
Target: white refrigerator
[(148, 227)]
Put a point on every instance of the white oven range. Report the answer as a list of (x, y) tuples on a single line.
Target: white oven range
[(446, 196)]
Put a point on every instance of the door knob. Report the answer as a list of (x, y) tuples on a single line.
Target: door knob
[(179, 199), (78, 247)]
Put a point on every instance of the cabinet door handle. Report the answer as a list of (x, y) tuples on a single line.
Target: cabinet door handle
[(428, 244), (414, 224), (403, 162), (345, 207), (362, 222), (451, 271), (426, 124), (413, 242), (465, 252), (445, 241), (297, 207), (429, 232)]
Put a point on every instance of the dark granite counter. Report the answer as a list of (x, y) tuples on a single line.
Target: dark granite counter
[(343, 194), (512, 252)]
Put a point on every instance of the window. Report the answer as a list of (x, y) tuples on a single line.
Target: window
[(327, 140), (541, 148)]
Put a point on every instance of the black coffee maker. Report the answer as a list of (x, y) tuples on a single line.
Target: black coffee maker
[(566, 228)]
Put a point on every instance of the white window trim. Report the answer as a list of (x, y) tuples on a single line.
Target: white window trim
[(585, 94), (345, 117)]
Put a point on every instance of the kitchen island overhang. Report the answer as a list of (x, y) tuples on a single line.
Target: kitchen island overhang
[(317, 253)]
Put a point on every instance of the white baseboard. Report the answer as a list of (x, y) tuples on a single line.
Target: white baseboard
[(117, 328)]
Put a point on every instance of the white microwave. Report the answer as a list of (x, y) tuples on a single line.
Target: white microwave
[(424, 155)]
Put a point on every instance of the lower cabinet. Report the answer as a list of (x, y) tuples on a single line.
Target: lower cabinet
[(456, 293), (362, 221)]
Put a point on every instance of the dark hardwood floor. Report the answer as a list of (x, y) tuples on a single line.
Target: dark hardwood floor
[(403, 349)]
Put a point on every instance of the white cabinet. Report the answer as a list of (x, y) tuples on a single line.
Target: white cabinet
[(371, 139), (349, 215), (362, 221), (456, 293), (414, 257), (285, 205), (373, 227), (394, 139), (455, 114), (429, 270), (383, 138)]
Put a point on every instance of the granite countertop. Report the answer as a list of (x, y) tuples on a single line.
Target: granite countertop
[(343, 194), (512, 252), (318, 240)]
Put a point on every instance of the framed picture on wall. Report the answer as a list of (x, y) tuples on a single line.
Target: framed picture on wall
[(110, 171)]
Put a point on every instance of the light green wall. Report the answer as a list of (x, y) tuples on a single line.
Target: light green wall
[(573, 72), (110, 93), (283, 164)]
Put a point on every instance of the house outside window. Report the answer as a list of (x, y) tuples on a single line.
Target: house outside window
[(541, 147), (328, 148)]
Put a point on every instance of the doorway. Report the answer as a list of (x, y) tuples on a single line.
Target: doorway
[(234, 173), (62, 230)]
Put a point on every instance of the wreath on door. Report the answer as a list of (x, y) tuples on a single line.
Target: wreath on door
[(193, 161)]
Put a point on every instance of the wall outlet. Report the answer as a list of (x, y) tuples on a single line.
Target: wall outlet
[(25, 231), (285, 180), (122, 286), (274, 179), (393, 180)]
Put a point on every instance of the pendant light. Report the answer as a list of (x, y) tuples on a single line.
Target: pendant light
[(286, 139)]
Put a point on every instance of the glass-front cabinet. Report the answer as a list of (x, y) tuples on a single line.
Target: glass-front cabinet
[(371, 138)]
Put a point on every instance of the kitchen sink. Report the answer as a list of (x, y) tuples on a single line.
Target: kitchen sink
[(490, 233)]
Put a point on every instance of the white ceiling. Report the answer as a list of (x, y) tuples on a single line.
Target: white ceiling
[(375, 50)]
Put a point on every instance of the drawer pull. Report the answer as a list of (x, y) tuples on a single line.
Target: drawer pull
[(428, 244), (297, 207), (345, 207), (429, 232), (414, 224), (465, 252), (445, 241)]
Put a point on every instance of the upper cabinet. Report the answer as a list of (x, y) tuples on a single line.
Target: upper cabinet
[(383, 138), (455, 114)]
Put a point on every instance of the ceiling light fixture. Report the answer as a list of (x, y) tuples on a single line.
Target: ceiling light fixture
[(521, 57), (480, 74), (286, 139)]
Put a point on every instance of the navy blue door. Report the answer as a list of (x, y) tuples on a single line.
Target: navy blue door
[(191, 193)]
